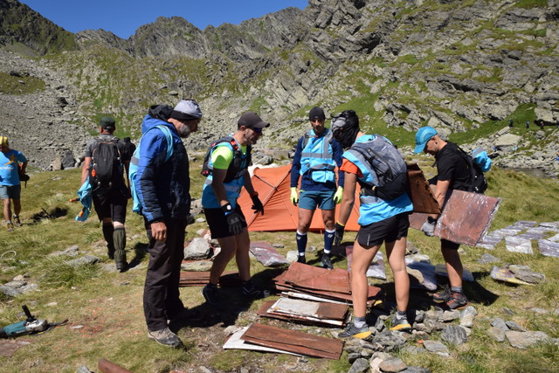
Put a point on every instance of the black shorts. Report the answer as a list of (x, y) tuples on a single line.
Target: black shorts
[(449, 244), (218, 224), (387, 230), (110, 203)]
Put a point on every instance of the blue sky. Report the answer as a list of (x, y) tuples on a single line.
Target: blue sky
[(123, 17)]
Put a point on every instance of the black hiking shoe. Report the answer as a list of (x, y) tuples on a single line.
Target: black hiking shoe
[(326, 262), (442, 296), (165, 337), (301, 259), (352, 331), (457, 301), (210, 293), (251, 291)]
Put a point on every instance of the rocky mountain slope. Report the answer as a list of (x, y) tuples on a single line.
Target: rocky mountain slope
[(466, 67)]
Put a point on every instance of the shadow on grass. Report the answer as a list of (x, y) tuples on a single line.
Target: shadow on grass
[(54, 213), (232, 303), (140, 251)]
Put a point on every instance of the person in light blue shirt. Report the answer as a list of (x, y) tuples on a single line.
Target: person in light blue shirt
[(12, 165)]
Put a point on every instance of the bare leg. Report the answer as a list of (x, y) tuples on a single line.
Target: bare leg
[(242, 256), (362, 258), (396, 251), (228, 248)]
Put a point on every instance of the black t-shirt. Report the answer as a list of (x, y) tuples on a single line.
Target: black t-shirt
[(452, 166)]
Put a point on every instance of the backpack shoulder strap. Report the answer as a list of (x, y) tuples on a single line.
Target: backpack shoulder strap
[(169, 137)]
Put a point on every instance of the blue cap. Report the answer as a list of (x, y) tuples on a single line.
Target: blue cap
[(423, 135)]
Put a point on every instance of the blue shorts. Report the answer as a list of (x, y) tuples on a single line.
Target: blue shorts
[(309, 200), (10, 191)]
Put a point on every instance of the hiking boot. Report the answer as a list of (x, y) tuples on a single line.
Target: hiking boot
[(456, 300), (121, 266), (326, 262), (10, 226), (16, 221), (301, 259), (165, 337), (352, 331), (400, 324), (251, 291), (442, 296), (210, 293)]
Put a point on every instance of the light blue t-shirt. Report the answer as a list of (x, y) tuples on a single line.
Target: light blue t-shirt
[(9, 165)]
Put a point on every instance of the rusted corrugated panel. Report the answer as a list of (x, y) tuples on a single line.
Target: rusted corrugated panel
[(465, 219), (421, 195), (325, 314), (306, 276), (106, 366), (294, 341), (190, 278)]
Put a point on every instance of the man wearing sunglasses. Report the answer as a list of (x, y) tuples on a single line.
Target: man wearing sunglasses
[(316, 156), (226, 168)]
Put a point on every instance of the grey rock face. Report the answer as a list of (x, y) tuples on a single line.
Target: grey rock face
[(360, 365), (436, 347), (454, 334), (199, 248), (524, 340)]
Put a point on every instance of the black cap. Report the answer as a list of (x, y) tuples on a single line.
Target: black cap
[(317, 113), (252, 120), (107, 123)]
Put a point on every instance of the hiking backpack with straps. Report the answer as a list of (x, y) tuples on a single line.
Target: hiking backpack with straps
[(106, 163), (236, 164), (387, 163), (478, 163)]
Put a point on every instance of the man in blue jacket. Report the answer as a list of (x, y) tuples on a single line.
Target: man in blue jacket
[(316, 157), (162, 184)]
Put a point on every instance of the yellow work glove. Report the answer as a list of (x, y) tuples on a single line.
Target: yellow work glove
[(294, 196), (339, 194)]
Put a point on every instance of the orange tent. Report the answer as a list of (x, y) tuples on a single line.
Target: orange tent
[(272, 185)]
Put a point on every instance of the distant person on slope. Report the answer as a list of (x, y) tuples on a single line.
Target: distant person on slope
[(12, 169), (383, 216), (316, 156), (226, 167), (162, 184), (452, 173), (106, 165)]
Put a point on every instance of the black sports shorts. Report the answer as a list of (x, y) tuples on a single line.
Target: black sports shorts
[(218, 224), (110, 203), (387, 230)]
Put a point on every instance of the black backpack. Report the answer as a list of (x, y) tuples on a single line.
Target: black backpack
[(236, 166), (478, 182), (106, 164)]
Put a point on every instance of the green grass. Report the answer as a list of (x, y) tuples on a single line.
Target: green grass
[(16, 85)]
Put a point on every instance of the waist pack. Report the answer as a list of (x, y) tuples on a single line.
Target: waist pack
[(135, 161)]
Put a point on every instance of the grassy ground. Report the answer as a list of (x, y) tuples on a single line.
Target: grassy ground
[(105, 315)]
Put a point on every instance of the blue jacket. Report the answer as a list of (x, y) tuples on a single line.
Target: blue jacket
[(302, 162), (163, 187)]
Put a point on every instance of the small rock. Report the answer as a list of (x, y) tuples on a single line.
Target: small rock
[(540, 311), (393, 365), (524, 273), (359, 366), (353, 356), (514, 326), (52, 304), (454, 334), (508, 311), (450, 315), (278, 245), (525, 339), (496, 333), (84, 260), (199, 248), (83, 369), (467, 317), (436, 347), (488, 258)]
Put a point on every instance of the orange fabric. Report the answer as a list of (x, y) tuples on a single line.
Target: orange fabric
[(272, 185), (350, 167)]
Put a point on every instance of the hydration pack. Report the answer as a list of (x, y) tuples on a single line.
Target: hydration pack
[(106, 164), (478, 163), (236, 166)]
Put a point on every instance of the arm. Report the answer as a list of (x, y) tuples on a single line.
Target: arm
[(296, 164), (217, 184), (248, 184), (85, 169), (338, 151), (348, 198)]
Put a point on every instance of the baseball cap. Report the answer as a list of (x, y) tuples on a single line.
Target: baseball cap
[(423, 135), (107, 123), (187, 110), (317, 113), (4, 141), (252, 120)]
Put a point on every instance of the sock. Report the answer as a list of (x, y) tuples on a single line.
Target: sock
[(108, 234), (359, 322), (328, 240), (401, 315), (301, 242), (456, 289)]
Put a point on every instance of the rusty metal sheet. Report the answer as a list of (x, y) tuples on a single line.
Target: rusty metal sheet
[(293, 341), (305, 311), (311, 277), (192, 278), (106, 366), (465, 219), (420, 191)]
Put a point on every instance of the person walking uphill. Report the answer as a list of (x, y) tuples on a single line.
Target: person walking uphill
[(316, 156), (226, 169), (383, 215), (162, 186), (453, 172), (12, 168), (105, 164)]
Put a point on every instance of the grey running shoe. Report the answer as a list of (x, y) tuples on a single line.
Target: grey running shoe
[(442, 296), (251, 291), (16, 221), (210, 293), (165, 337), (457, 300), (400, 324), (352, 331), (326, 262)]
